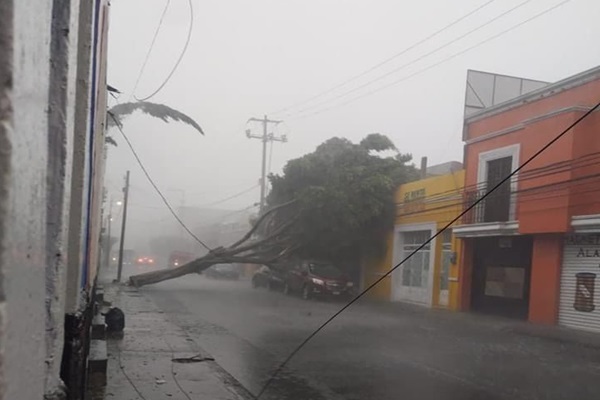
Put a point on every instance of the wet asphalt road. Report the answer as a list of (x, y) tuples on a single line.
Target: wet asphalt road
[(373, 351)]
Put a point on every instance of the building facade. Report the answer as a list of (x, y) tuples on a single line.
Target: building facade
[(52, 116), (430, 277), (530, 248)]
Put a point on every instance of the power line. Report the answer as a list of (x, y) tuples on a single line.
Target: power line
[(183, 51), (452, 56), (548, 170), (448, 225), (160, 22), (411, 62), (387, 60), (230, 197), (164, 199), (535, 191)]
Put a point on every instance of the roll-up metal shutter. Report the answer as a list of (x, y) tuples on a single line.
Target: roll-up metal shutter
[(580, 283)]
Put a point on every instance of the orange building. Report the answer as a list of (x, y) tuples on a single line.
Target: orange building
[(531, 249)]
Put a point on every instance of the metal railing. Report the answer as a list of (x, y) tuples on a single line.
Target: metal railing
[(494, 208)]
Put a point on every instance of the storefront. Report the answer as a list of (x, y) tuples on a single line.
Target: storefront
[(430, 276), (501, 275), (579, 296), (413, 280)]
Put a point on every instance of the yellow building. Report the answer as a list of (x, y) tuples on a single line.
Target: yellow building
[(430, 277)]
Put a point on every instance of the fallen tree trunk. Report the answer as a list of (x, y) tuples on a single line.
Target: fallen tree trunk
[(148, 278), (266, 251)]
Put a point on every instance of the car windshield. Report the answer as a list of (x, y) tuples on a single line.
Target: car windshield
[(325, 271)]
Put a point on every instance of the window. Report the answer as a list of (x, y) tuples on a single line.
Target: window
[(495, 165), (497, 203), (415, 272)]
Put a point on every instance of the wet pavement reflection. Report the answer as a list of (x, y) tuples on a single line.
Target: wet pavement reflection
[(374, 351)]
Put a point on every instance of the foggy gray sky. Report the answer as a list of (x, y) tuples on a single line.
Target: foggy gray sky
[(248, 58)]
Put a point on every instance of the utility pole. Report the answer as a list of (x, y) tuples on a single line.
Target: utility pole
[(122, 239), (265, 137)]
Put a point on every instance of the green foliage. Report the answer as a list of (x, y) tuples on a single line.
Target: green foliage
[(344, 193)]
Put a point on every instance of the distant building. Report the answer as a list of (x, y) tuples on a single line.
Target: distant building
[(444, 168)]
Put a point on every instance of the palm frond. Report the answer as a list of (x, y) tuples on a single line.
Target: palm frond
[(110, 140), (160, 111)]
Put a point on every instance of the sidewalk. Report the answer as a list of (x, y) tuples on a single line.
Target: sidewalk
[(140, 362)]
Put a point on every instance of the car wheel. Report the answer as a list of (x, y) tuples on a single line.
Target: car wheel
[(306, 295), (286, 288)]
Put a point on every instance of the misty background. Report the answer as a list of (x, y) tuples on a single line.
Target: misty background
[(251, 58)]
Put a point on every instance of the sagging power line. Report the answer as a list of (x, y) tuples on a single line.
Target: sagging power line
[(160, 22), (158, 191), (181, 55)]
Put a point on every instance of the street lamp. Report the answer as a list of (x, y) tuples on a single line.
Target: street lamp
[(110, 218)]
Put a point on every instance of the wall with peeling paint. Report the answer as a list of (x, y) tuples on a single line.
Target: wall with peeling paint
[(24, 243), (51, 169), (61, 113)]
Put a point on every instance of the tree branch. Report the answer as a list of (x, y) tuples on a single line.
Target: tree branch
[(259, 222), (258, 243)]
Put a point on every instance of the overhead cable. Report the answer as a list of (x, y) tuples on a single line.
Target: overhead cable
[(387, 60), (415, 60), (160, 22), (183, 51), (163, 198), (444, 60)]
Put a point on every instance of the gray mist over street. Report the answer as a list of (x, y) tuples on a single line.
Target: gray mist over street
[(247, 59)]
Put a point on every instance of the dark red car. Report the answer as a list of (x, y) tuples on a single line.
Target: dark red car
[(314, 278)]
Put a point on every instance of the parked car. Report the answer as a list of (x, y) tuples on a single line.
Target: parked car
[(315, 278), (271, 278), (223, 271)]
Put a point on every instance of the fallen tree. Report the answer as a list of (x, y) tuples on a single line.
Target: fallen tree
[(334, 204), (271, 247)]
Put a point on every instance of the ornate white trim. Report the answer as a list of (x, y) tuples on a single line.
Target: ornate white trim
[(482, 169), (586, 223)]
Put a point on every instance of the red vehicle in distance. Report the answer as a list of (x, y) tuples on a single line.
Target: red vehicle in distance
[(144, 261)]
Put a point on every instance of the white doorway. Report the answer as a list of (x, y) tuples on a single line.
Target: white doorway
[(445, 263), (413, 280)]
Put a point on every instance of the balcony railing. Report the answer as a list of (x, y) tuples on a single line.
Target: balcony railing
[(494, 208)]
